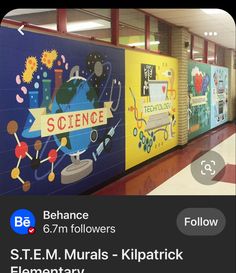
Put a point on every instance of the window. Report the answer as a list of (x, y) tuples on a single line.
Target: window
[(164, 31), (159, 36), (210, 53), (132, 28), (154, 39), (189, 45), (45, 18), (220, 55), (91, 23), (198, 49)]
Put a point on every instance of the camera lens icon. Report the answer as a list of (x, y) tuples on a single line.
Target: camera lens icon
[(206, 167)]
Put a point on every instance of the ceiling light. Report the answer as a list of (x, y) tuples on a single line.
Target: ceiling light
[(137, 44), (155, 43), (82, 25), (212, 11), (205, 33), (210, 33), (142, 43), (215, 33), (194, 51), (49, 26)]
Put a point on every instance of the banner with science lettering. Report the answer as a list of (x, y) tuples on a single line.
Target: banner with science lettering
[(151, 105), (53, 124), (199, 98), (62, 114)]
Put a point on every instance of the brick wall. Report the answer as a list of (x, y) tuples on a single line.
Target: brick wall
[(180, 35)]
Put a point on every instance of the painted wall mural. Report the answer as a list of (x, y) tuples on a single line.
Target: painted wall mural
[(148, 72), (62, 114), (199, 112), (208, 97), (219, 95), (151, 118)]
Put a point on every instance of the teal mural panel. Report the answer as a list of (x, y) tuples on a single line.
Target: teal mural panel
[(199, 98)]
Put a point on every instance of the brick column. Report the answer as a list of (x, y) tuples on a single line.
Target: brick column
[(229, 62), (180, 35)]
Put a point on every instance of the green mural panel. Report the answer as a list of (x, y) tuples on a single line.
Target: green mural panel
[(199, 91)]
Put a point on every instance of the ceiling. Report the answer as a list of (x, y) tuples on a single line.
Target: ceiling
[(196, 20), (15, 12)]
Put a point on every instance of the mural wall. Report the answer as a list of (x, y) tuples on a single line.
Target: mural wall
[(76, 114), (151, 118), (199, 112), (62, 114), (219, 95), (208, 97)]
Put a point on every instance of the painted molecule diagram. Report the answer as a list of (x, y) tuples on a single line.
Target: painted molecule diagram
[(22, 151)]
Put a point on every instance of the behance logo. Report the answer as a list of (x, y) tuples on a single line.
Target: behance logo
[(22, 222)]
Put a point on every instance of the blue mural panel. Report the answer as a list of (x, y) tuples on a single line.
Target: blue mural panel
[(62, 114), (219, 95)]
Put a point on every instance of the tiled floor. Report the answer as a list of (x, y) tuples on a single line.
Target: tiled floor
[(228, 174), (171, 175)]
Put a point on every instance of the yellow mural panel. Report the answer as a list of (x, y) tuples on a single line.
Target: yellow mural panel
[(151, 106)]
